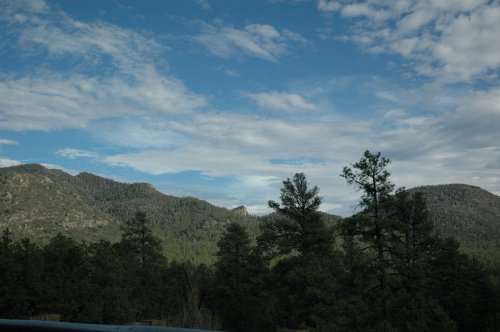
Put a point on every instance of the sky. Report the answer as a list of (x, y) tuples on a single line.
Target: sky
[(223, 100)]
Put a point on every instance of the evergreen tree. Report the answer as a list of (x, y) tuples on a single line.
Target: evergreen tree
[(144, 263), (412, 242), (298, 226), (357, 281), (240, 297), (7, 275), (464, 289), (138, 239), (306, 289), (28, 272), (192, 310), (67, 288), (371, 176), (304, 280), (112, 299)]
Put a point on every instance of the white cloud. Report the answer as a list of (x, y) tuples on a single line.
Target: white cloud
[(233, 144), (228, 72), (482, 103), (258, 181), (394, 113), (280, 101), (5, 141), (76, 153), (60, 35), (58, 167), (136, 133), (293, 2), (204, 4), (469, 44), (328, 6), (55, 102), (414, 21), (364, 9), (5, 162), (245, 149), (453, 143), (128, 84), (256, 40), (268, 136), (451, 41)]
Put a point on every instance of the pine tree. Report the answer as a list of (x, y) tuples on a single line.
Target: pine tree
[(29, 272), (7, 275), (298, 226), (240, 297), (144, 265), (112, 300), (138, 239), (66, 284), (370, 175)]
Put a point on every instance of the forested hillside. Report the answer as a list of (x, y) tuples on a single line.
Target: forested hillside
[(38, 202), (383, 269), (469, 214)]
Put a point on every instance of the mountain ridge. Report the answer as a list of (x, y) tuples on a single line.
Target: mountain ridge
[(39, 202), (188, 227)]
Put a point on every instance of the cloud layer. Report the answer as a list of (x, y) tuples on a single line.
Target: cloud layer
[(120, 87), (53, 99), (452, 41), (261, 41)]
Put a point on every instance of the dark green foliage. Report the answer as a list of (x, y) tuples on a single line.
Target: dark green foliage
[(307, 271), (389, 271), (467, 213), (396, 238), (145, 261), (139, 241), (7, 274), (298, 226), (371, 177), (39, 203), (112, 284), (190, 287), (29, 282), (35, 205), (410, 247), (240, 294), (21, 283), (306, 288), (464, 289), (412, 241), (67, 279), (88, 207), (98, 283)]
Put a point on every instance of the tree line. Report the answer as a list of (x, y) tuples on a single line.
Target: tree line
[(383, 269)]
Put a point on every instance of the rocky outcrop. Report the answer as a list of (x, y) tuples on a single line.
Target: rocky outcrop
[(241, 211)]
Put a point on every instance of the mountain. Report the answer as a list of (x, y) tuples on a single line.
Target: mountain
[(38, 202), (34, 203), (469, 214)]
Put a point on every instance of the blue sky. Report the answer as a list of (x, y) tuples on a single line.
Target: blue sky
[(223, 100)]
